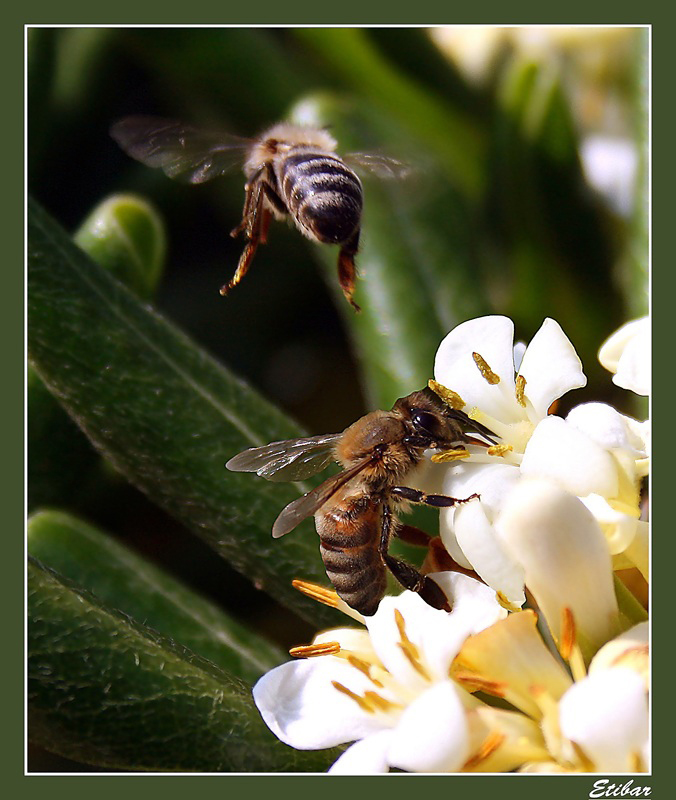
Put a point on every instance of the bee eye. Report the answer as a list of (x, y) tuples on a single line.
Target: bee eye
[(426, 422)]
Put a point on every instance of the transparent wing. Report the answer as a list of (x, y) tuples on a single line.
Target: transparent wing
[(182, 151), (291, 460), (379, 165), (310, 503)]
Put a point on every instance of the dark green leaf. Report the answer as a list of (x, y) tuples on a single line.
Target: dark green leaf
[(125, 581), (104, 690), (163, 412)]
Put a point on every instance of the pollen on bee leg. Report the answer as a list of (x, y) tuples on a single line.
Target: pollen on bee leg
[(450, 455), (486, 372), (451, 398), (314, 650)]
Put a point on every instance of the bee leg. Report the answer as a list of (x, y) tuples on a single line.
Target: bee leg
[(347, 271), (408, 576), (412, 535), (255, 222), (436, 500)]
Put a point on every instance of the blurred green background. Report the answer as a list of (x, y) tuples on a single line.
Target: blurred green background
[(528, 198)]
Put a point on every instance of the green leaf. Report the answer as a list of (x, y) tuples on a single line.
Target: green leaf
[(164, 413), (125, 581), (104, 690), (125, 234)]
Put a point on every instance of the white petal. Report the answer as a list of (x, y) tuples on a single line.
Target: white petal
[(618, 528), (550, 366), (606, 714), (627, 353), (607, 427), (629, 650), (492, 338), (492, 562), (474, 604), (565, 559), (367, 757), (432, 734), (302, 708), (559, 451)]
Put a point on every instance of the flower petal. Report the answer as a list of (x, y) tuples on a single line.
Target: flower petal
[(550, 366), (606, 714), (565, 558), (302, 707), (432, 734), (627, 353), (484, 550), (629, 649), (512, 656), (607, 427), (559, 451), (454, 366), (366, 757)]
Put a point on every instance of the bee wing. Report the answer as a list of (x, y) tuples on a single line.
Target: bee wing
[(379, 165), (310, 503), (291, 460), (182, 151)]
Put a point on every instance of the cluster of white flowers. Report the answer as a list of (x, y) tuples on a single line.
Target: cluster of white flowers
[(559, 512)]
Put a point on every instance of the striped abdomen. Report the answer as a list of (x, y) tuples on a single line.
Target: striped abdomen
[(349, 538), (322, 194)]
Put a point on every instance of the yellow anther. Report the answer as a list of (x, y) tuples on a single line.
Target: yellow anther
[(365, 668), (475, 683), (451, 398), (569, 647), (489, 745), (505, 603), (499, 450), (369, 701), (450, 455), (408, 648), (313, 650), (313, 590), (521, 390), (486, 372), (360, 701)]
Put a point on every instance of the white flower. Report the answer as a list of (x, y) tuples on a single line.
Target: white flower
[(388, 688), (592, 722), (595, 453), (627, 354)]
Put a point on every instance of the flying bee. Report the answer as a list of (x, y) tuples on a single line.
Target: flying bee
[(356, 510), (290, 171)]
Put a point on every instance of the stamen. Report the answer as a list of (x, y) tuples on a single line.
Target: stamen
[(365, 668), (486, 372), (313, 650), (408, 648), (489, 745), (450, 455), (499, 450), (520, 390), (451, 398), (369, 702), (474, 683), (504, 602), (569, 648), (360, 701), (327, 597)]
